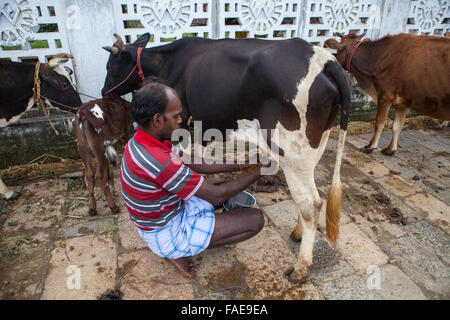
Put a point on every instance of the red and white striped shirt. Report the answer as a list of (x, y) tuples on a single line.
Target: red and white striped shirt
[(155, 183)]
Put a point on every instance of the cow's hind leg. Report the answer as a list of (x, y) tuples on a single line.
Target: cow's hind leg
[(89, 176), (399, 120), (305, 195), (102, 170), (86, 158)]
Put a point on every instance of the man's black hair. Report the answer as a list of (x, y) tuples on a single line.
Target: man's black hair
[(149, 100)]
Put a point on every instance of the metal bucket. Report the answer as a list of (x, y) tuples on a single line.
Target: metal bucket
[(241, 200)]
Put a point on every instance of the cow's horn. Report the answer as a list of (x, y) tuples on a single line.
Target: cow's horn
[(63, 55), (113, 50), (340, 35), (363, 34), (119, 41)]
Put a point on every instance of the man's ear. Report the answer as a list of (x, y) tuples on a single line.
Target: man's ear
[(333, 44), (157, 120)]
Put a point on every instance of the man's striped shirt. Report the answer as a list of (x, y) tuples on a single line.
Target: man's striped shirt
[(155, 183)]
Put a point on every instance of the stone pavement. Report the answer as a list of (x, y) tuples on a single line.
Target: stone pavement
[(394, 238)]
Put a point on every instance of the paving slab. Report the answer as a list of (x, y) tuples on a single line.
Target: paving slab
[(269, 198), (328, 263), (145, 276), (420, 265), (366, 164), (81, 268), (353, 287), (398, 185), (284, 215), (431, 237), (93, 225), (358, 249), (23, 265), (40, 202), (434, 209), (220, 275), (395, 285), (421, 155), (128, 234)]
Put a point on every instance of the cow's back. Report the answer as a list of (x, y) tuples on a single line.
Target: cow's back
[(111, 116), (417, 70), (236, 78)]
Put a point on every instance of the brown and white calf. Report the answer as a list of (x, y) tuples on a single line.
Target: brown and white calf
[(403, 71), (97, 126)]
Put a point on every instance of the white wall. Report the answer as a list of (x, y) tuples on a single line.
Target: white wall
[(96, 30)]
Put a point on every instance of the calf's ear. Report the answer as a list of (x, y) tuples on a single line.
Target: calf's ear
[(333, 44), (142, 40)]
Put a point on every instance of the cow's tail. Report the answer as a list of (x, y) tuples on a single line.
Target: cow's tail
[(110, 153), (333, 210)]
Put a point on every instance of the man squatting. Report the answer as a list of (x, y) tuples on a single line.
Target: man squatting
[(169, 202)]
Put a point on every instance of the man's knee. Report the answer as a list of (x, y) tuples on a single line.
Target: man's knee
[(257, 220)]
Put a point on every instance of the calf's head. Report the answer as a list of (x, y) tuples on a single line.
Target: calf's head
[(121, 62), (56, 84), (343, 48)]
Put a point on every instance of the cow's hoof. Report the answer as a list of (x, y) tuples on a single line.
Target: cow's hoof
[(296, 277), (115, 210), (15, 195), (387, 152), (366, 149), (294, 238), (92, 212)]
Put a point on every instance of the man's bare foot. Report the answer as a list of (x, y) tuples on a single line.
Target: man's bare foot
[(185, 266)]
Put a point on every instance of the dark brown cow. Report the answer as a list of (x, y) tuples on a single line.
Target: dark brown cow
[(97, 126), (404, 71)]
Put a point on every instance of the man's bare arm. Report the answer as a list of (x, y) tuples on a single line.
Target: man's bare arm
[(205, 168), (218, 194)]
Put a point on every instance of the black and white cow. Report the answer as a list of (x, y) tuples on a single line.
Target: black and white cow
[(289, 85), (17, 80)]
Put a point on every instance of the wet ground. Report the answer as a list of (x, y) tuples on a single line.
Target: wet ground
[(394, 237)]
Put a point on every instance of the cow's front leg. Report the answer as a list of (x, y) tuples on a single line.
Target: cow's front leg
[(382, 113), (304, 193), (8, 193), (399, 120)]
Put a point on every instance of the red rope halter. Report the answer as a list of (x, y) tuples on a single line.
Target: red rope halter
[(355, 47)]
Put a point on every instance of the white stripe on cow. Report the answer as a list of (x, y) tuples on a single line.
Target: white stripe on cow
[(97, 112)]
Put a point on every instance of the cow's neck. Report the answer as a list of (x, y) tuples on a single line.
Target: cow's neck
[(360, 66), (366, 63), (156, 62)]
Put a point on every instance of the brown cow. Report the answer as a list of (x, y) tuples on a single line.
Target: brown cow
[(404, 71), (97, 126)]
